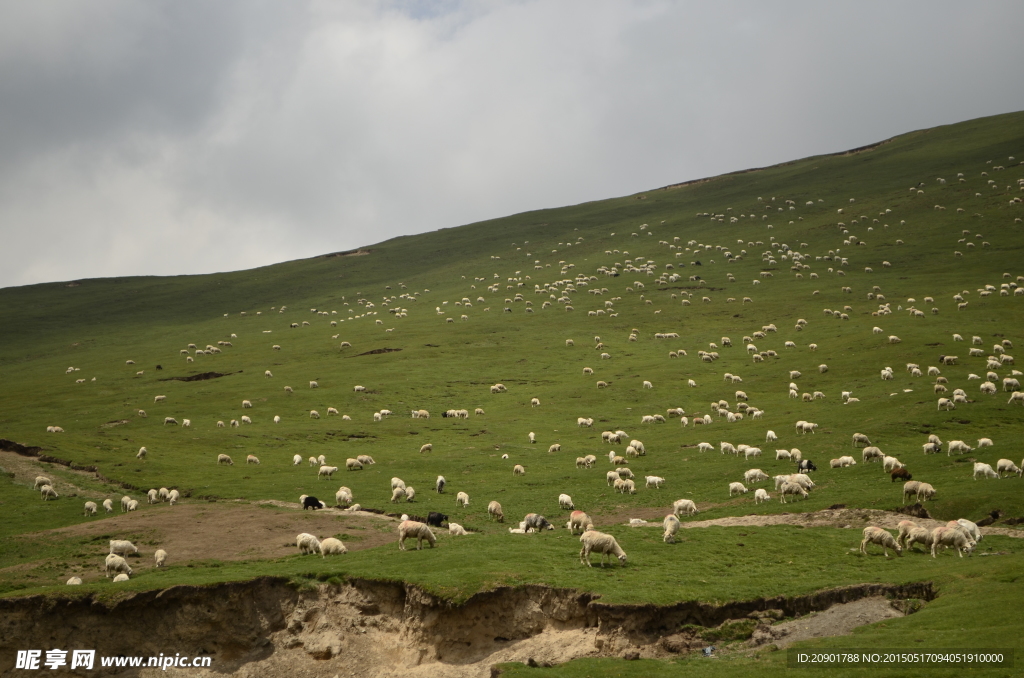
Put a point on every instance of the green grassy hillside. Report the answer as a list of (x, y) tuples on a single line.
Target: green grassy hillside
[(789, 237)]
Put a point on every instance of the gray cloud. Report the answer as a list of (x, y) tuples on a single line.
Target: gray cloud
[(184, 137)]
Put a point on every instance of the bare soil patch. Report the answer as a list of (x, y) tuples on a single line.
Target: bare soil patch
[(225, 531), (838, 620), (841, 518)]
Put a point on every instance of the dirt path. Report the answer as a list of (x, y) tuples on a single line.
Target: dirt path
[(841, 518)]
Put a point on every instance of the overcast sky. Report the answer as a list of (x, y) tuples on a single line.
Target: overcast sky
[(167, 137)]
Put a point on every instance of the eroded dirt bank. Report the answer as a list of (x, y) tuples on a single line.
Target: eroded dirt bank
[(369, 629)]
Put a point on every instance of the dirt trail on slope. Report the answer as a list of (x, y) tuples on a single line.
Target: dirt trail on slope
[(841, 518)]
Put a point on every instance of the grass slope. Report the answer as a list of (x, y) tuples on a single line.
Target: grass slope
[(97, 325)]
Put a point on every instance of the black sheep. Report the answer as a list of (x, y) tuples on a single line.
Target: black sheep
[(901, 474), (434, 518), (312, 503), (806, 465)]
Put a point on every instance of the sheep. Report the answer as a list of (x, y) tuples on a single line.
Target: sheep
[(462, 499), (671, 526), (791, 488), (968, 527), (122, 547), (654, 481), (133, 505), (535, 522), (950, 536), (958, 446), (924, 491), (565, 501), (160, 558), (598, 542), (579, 520), (307, 543), (314, 384), (114, 563), (397, 494), (252, 459), (108, 505), (985, 470), (860, 438), (584, 422), (90, 508), (47, 491), (761, 495), (684, 506), (755, 475), (74, 581), (1016, 396), (984, 442), (1006, 466), (40, 481), (890, 464), (332, 547), (152, 496), (170, 420), (518, 470), (737, 488), (782, 455), (870, 453), (876, 535)]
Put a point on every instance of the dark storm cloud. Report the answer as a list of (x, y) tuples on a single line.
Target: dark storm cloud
[(186, 137)]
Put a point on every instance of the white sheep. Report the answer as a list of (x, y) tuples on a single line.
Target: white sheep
[(114, 563), (684, 506), (122, 547), (252, 459), (307, 543), (598, 542), (350, 465), (876, 535), (755, 475), (74, 581), (565, 501), (494, 511), (462, 499), (791, 488), (984, 470), (949, 536), (654, 481), (958, 446), (456, 530), (410, 529), (518, 470), (671, 527), (160, 558), (47, 491), (108, 505), (737, 488), (332, 547), (761, 495), (1007, 466)]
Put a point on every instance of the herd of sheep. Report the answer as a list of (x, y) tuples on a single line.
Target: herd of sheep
[(567, 289)]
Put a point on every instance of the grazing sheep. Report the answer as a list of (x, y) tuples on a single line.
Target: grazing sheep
[(958, 446), (114, 563), (737, 488), (332, 547), (985, 470), (518, 470), (924, 492), (307, 543), (1006, 466), (74, 581), (782, 455), (40, 481), (755, 475), (684, 506), (876, 535), (439, 485), (598, 542), (108, 505), (494, 511), (654, 481), (350, 465), (900, 474), (952, 537), (462, 499), (890, 464), (160, 558), (170, 420), (123, 547), (565, 501), (578, 520), (870, 453), (761, 495), (90, 508), (313, 414), (252, 459), (429, 447), (537, 522), (397, 494), (671, 526), (791, 488)]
